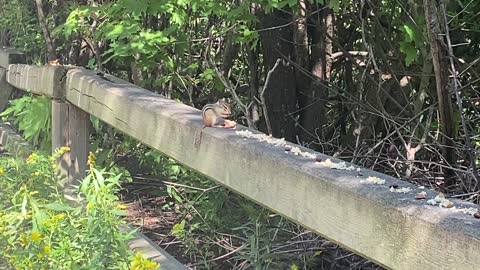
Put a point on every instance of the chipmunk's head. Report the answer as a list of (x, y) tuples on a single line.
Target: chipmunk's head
[(223, 108)]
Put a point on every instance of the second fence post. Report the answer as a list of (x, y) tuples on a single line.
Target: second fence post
[(69, 129)]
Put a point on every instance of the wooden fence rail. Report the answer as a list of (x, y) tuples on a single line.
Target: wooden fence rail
[(392, 229)]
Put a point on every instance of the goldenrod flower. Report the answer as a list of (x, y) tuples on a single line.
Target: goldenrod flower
[(121, 206), (63, 150), (59, 216), (34, 236), (90, 206), (91, 159), (140, 263), (32, 158), (23, 240), (150, 265)]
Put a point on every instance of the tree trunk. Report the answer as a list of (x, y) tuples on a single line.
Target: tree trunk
[(440, 66), (312, 93), (230, 53), (280, 95)]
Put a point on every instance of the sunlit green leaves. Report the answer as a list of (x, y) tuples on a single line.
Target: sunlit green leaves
[(408, 46), (247, 35), (39, 228), (32, 115)]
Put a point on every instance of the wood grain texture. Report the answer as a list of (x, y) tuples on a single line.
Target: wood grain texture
[(70, 128), (391, 229), (7, 56), (78, 134), (40, 80), (60, 137)]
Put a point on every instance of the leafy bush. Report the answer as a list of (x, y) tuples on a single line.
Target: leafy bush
[(32, 116), (39, 229)]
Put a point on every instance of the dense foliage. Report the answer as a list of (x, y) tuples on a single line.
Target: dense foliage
[(390, 85), (40, 229)]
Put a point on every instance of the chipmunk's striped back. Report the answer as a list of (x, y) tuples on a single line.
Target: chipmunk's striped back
[(214, 114)]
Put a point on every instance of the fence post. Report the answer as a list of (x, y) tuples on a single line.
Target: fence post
[(69, 128), (7, 57)]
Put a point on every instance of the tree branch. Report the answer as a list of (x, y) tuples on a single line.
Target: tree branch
[(51, 48)]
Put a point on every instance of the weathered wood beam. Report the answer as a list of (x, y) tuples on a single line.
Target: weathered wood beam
[(40, 80), (392, 229), (70, 128), (7, 57), (69, 123)]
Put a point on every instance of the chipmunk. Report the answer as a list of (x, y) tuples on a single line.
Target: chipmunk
[(214, 116)]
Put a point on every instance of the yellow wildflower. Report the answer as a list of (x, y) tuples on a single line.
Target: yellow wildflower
[(150, 265), (121, 206), (59, 216), (32, 158), (63, 150), (23, 240), (34, 236), (47, 249), (140, 263), (90, 206), (91, 159), (2, 171)]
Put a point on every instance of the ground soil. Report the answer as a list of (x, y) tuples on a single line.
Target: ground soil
[(145, 210)]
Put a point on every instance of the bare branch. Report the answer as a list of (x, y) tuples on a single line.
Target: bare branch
[(470, 149), (262, 97), (52, 50)]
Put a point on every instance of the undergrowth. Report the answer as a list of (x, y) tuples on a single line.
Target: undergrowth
[(32, 116), (40, 229), (220, 229)]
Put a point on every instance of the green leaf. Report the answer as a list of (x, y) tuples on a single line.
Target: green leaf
[(178, 228), (409, 33), (410, 52), (334, 5), (59, 207)]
